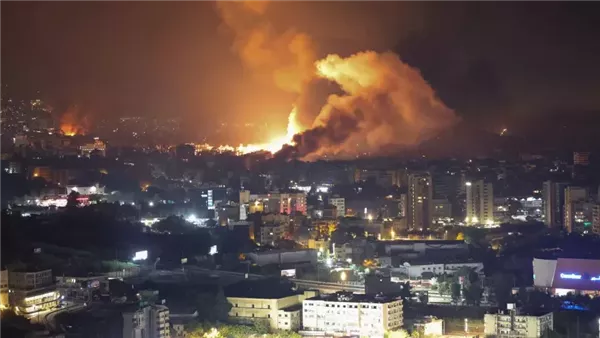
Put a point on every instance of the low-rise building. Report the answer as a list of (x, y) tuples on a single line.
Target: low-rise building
[(352, 314), (3, 289), (294, 256), (417, 270), (255, 301), (32, 291), (513, 323)]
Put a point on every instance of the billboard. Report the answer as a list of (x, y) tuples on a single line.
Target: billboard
[(141, 255), (289, 273)]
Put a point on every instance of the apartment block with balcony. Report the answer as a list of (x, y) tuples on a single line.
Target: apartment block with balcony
[(352, 314), (513, 323), (150, 321)]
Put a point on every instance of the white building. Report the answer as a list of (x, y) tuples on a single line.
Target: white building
[(480, 203), (511, 323), (417, 270), (83, 190), (340, 204), (147, 322), (352, 314)]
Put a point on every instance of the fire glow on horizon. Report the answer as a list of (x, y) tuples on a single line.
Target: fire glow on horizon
[(273, 146)]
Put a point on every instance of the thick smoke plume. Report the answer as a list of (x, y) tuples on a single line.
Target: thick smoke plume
[(287, 58), (381, 102), (385, 103)]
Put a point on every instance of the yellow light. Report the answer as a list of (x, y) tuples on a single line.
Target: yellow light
[(343, 276), (213, 333), (48, 294)]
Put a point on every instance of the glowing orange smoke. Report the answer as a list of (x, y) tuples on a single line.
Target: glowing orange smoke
[(72, 122), (385, 102)]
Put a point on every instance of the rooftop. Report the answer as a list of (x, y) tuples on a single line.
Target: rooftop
[(263, 289), (276, 251), (425, 241), (348, 297)]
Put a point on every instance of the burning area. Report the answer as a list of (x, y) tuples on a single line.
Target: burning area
[(74, 122), (378, 101)]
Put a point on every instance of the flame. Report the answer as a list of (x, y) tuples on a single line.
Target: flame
[(383, 102), (69, 129), (72, 122), (272, 146)]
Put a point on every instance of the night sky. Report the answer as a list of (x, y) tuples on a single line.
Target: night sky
[(490, 62)]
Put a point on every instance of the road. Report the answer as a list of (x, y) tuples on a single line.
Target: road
[(328, 287), (195, 274), (48, 318)]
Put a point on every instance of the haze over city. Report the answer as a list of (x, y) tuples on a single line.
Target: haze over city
[(289, 169)]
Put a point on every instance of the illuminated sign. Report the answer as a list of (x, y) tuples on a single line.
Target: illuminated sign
[(141, 255), (570, 276), (595, 279), (290, 273)]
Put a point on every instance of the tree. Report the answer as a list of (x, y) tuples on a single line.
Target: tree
[(473, 293), (502, 284), (213, 307), (405, 291), (221, 307), (397, 334), (427, 275), (455, 292), (14, 325), (72, 199), (173, 225)]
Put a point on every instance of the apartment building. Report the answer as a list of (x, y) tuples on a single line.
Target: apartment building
[(512, 323), (150, 321), (352, 314)]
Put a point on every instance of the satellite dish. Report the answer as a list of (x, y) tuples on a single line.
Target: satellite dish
[(406, 264)]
